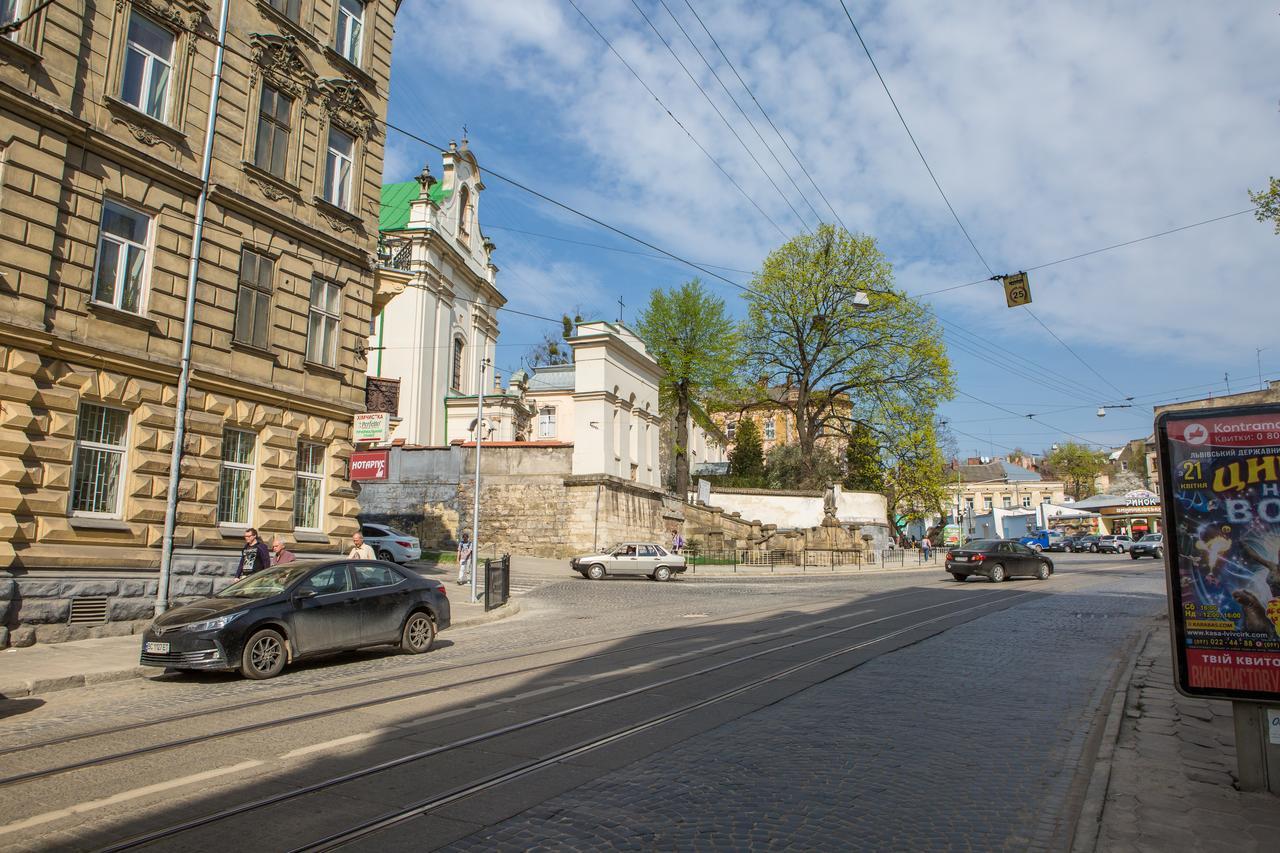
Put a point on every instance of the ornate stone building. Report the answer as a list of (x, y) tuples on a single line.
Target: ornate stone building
[(103, 115)]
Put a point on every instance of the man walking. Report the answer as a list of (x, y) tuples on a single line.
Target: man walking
[(254, 557), (278, 553), (359, 550), (927, 548), (466, 554)]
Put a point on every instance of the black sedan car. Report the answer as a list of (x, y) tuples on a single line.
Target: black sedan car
[(298, 610), (1078, 544), (997, 559)]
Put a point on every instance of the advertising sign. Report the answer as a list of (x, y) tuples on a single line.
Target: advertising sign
[(951, 536), (370, 426), (1220, 470), (370, 464)]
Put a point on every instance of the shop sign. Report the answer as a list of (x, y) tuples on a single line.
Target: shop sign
[(370, 464), (1141, 497), (370, 427), (1221, 474)]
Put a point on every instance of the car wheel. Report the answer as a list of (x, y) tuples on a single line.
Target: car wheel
[(1043, 573), (419, 634), (1159, 554), (662, 573), (997, 573), (1132, 556), (1093, 549), (595, 572), (956, 576), (1036, 547), (263, 655), (385, 555)]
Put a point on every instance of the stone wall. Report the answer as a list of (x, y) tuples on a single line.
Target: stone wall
[(419, 496)]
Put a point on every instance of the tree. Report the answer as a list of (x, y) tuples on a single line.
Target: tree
[(1268, 202), (554, 350), (915, 478), (863, 468), (689, 333), (788, 467), (746, 460), (838, 362), (1076, 466)]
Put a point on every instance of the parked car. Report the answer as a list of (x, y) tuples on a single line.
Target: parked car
[(299, 610), (630, 558), (1045, 540), (1151, 545), (997, 559), (1088, 542), (390, 544), (1114, 544)]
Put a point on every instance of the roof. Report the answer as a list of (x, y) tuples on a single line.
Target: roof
[(997, 472), (1099, 501), (552, 377), (394, 215)]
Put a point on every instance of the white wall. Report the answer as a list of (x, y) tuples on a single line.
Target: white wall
[(796, 511)]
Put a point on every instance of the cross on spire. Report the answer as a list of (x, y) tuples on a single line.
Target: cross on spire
[(621, 305)]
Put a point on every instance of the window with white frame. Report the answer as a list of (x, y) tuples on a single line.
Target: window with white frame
[(731, 429), (456, 381), (99, 466), (1008, 501), (968, 505), (122, 257), (235, 479), (1026, 501), (986, 503), (148, 67), (308, 495), (350, 29), (547, 422), (770, 430), (271, 147), (324, 320), (338, 166), (253, 300)]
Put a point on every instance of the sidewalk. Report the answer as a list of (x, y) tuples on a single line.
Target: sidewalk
[(1172, 772), (44, 668)]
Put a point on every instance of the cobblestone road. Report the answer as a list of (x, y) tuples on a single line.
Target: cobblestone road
[(969, 740)]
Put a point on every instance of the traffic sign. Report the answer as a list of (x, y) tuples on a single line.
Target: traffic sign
[(1017, 290)]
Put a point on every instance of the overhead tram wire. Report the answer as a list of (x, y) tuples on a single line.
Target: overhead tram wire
[(604, 247), (1052, 376), (1031, 417), (764, 113), (672, 116), (1065, 346), (750, 122), (694, 80)]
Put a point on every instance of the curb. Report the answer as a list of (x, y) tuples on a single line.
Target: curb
[(1089, 823), (38, 686), (694, 575)]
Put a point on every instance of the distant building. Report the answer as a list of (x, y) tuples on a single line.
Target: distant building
[(978, 489), (777, 423)]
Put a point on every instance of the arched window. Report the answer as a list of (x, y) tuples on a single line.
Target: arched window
[(456, 382), (464, 213)]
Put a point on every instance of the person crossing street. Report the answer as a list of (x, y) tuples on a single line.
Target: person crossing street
[(466, 555)]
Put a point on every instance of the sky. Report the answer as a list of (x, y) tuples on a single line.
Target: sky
[(1054, 129)]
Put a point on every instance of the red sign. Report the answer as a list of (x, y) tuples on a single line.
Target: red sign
[(370, 464)]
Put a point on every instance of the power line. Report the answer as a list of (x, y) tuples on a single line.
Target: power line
[(1036, 317), (760, 107), (679, 124), (606, 248)]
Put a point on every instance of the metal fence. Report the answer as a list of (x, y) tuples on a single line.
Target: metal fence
[(497, 582), (809, 560)]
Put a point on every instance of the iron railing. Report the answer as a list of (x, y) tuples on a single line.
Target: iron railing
[(497, 582)]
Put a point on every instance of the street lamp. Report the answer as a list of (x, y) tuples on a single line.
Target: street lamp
[(1102, 410)]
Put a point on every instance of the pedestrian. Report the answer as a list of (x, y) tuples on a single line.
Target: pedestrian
[(466, 554), (926, 547), (254, 557), (279, 554), (359, 550), (677, 542)]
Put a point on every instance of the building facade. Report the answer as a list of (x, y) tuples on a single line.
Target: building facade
[(776, 422), (978, 489), (435, 308), (103, 116)]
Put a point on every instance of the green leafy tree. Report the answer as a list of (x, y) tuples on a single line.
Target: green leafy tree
[(746, 460), (1268, 202), (552, 350), (915, 478), (1077, 466), (864, 471), (840, 361), (787, 467), (689, 333)]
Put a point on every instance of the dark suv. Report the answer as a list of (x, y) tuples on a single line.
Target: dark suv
[(1076, 544)]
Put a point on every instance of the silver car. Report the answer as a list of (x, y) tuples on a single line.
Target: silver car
[(392, 545), (630, 558)]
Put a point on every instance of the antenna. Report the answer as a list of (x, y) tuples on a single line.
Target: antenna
[(1226, 377)]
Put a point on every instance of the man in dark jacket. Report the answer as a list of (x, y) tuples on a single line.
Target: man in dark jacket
[(254, 557)]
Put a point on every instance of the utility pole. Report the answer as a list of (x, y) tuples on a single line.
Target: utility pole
[(475, 510)]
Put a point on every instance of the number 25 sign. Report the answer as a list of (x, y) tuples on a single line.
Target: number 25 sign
[(1017, 290)]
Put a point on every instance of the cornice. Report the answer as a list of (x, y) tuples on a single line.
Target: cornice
[(231, 198)]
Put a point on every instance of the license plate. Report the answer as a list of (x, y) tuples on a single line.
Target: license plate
[(156, 648)]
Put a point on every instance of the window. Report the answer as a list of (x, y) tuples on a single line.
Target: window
[(322, 325), (456, 384), (10, 11), (1124, 466), (99, 464), (308, 493), (1008, 501), (148, 67), (1026, 501), (370, 575), (547, 422), (337, 169), (986, 503), (350, 29), (235, 479), (328, 580), (291, 9), (770, 430), (647, 551), (968, 505), (464, 213), (271, 149), (731, 429), (122, 257), (253, 302)]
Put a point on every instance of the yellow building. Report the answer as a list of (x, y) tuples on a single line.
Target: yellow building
[(103, 116), (777, 423)]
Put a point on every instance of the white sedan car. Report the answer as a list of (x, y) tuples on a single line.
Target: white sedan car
[(390, 544), (630, 558)]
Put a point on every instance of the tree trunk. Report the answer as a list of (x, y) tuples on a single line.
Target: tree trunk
[(682, 441), (804, 436)]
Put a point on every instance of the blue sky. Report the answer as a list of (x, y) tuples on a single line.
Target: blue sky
[(1055, 129)]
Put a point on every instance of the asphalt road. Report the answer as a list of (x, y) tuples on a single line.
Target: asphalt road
[(883, 711)]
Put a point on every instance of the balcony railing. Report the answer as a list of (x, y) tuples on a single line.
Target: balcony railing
[(382, 395)]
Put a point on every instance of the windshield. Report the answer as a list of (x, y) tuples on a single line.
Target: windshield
[(1151, 537), (266, 583), (980, 544)]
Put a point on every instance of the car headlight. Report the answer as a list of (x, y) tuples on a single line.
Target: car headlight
[(212, 624)]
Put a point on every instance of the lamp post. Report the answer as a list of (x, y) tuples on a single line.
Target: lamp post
[(475, 510)]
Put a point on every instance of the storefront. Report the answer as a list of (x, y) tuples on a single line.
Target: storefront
[(1134, 514)]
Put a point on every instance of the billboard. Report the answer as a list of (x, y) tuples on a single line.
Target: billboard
[(370, 464), (1221, 474), (370, 426)]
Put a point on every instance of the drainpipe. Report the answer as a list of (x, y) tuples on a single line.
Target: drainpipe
[(188, 323)]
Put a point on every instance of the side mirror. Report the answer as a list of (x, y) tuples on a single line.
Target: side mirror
[(302, 595)]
